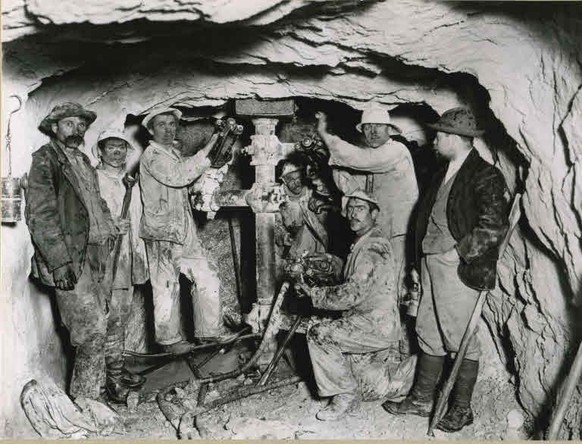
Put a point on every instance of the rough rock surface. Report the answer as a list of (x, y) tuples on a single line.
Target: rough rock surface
[(437, 54)]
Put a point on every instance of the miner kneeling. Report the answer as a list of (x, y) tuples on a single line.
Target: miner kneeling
[(357, 356)]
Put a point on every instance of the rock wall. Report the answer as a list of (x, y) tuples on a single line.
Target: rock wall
[(521, 71)]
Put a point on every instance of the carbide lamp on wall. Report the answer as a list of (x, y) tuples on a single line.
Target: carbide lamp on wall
[(11, 186)]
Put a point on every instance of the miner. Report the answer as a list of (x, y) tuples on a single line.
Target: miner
[(370, 319), (305, 227), (112, 150), (169, 231), (72, 229), (384, 167), (461, 223)]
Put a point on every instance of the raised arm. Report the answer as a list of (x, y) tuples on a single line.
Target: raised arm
[(177, 173)]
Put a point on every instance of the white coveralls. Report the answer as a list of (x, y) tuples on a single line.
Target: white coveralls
[(173, 247), (344, 351)]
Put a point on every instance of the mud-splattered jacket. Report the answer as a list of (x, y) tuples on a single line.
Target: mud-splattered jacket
[(393, 180), (368, 294), (132, 267), (477, 216), (165, 175), (56, 214)]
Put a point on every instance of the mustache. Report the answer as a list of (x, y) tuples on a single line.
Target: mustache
[(73, 140)]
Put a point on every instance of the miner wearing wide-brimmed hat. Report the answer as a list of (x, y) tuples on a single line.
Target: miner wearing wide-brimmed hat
[(113, 149), (358, 356), (71, 229), (461, 222), (169, 230), (385, 167)]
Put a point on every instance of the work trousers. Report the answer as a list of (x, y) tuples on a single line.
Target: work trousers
[(445, 308), (96, 319), (82, 311), (166, 261), (117, 318), (329, 343)]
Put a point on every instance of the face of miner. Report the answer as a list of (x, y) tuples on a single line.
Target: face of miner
[(70, 131), (114, 152), (376, 134), (445, 144), (164, 128), (360, 215), (294, 181)]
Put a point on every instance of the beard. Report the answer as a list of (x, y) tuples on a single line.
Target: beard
[(73, 141)]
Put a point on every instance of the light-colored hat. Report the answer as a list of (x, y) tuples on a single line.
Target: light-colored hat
[(459, 121), (376, 114), (110, 134), (150, 116), (358, 194), (62, 111), (289, 167)]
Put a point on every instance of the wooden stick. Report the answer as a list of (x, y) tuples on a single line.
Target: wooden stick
[(565, 396), (471, 326)]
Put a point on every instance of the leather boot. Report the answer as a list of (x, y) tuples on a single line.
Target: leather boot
[(420, 400), (339, 406), (131, 380), (116, 390), (460, 413)]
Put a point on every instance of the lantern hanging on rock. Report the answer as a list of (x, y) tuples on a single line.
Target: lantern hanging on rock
[(11, 186)]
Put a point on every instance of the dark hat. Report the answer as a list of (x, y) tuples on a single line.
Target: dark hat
[(459, 121), (62, 111)]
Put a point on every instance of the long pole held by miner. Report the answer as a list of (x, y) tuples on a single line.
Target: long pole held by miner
[(471, 326)]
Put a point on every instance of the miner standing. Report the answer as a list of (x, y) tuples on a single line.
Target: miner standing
[(370, 319), (169, 231), (385, 168), (71, 230), (112, 150), (461, 223)]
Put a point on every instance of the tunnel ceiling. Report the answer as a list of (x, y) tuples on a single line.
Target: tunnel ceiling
[(521, 70)]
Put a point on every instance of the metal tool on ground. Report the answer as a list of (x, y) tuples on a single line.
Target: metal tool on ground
[(273, 364), (565, 396), (471, 327)]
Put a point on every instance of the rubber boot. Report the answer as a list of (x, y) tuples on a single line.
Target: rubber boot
[(460, 413), (420, 400)]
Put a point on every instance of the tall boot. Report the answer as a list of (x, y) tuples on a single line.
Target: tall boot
[(420, 400), (460, 413)]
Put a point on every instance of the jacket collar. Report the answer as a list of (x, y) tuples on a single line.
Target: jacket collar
[(170, 151)]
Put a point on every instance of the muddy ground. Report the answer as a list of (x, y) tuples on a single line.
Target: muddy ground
[(289, 412)]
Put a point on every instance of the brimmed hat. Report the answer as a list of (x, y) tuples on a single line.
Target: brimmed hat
[(376, 114), (459, 121), (110, 134), (289, 167), (176, 112), (358, 194), (62, 111)]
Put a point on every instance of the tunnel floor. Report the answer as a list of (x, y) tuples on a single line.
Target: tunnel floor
[(289, 412)]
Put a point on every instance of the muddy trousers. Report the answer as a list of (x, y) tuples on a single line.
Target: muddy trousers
[(445, 308), (166, 261), (117, 318), (329, 342), (82, 311)]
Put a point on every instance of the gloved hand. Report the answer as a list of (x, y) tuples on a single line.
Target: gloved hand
[(64, 277), (122, 225), (321, 123), (302, 290)]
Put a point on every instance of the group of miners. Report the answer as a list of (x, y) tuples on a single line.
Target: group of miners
[(83, 220)]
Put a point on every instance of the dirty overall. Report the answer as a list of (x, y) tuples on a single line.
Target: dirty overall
[(172, 245)]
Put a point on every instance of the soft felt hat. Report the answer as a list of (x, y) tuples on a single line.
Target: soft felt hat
[(111, 134), (358, 194), (376, 114), (176, 112), (459, 121), (62, 111)]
